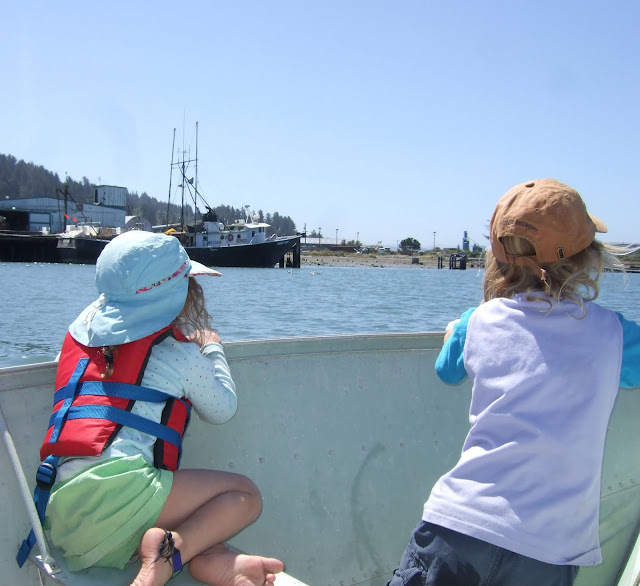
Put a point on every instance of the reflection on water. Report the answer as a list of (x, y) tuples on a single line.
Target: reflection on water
[(39, 301)]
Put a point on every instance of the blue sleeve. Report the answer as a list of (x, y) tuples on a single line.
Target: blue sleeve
[(450, 362), (630, 371)]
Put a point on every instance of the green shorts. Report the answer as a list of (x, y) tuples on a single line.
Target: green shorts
[(98, 517)]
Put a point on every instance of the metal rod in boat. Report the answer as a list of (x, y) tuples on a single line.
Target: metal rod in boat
[(27, 497)]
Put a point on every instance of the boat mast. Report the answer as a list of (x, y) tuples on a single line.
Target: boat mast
[(183, 161), (65, 194), (183, 179), (173, 146), (195, 197), (66, 197)]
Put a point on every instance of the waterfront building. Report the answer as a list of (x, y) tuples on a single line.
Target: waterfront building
[(47, 214)]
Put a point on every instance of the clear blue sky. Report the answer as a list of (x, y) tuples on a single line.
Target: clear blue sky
[(383, 119)]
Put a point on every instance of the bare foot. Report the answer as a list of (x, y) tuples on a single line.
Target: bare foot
[(152, 572), (220, 567)]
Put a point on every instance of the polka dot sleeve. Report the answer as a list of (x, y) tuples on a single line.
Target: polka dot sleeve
[(199, 374), (222, 406)]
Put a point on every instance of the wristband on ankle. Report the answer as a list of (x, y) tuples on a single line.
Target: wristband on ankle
[(168, 551), (176, 562)]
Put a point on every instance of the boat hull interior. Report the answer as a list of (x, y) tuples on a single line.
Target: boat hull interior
[(344, 435)]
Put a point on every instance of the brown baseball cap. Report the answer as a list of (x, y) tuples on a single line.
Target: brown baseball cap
[(547, 213)]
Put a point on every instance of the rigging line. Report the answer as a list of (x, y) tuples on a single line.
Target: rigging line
[(193, 191), (78, 209), (191, 186), (193, 196)]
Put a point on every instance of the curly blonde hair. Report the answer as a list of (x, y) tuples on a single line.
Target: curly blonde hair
[(194, 314), (574, 278)]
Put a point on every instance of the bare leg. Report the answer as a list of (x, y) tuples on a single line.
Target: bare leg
[(204, 509)]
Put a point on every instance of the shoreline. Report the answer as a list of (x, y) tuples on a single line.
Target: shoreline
[(394, 261), (375, 261)]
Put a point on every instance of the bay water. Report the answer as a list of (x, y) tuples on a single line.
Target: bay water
[(39, 301)]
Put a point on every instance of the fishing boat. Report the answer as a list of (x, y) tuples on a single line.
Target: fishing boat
[(343, 459), (241, 242), (83, 243)]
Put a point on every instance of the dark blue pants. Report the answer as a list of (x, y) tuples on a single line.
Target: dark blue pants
[(437, 556)]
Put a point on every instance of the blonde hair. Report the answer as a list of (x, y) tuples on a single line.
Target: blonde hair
[(574, 278), (194, 316), (108, 353)]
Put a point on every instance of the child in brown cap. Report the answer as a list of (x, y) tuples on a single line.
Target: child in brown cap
[(521, 506)]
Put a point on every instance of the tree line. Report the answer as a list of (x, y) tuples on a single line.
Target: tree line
[(20, 180)]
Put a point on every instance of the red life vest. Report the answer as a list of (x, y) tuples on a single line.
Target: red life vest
[(89, 411)]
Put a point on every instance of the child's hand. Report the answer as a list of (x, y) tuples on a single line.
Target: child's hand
[(202, 337), (449, 329)]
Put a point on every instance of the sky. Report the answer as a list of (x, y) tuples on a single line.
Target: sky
[(376, 120)]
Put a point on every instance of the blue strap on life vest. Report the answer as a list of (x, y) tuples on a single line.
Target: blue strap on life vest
[(45, 477), (46, 474), (72, 388), (111, 389), (122, 417), (115, 414), (47, 471)]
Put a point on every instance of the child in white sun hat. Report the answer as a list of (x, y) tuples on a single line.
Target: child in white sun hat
[(131, 367), (521, 506)]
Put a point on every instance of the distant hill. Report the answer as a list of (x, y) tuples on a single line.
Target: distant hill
[(19, 179)]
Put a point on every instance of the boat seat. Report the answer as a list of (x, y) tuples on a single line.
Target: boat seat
[(115, 577)]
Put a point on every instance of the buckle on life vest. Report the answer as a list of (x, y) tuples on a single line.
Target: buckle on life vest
[(46, 476)]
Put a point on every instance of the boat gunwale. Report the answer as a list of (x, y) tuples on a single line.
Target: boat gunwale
[(26, 375)]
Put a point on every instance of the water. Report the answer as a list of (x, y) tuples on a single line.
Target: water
[(39, 301)]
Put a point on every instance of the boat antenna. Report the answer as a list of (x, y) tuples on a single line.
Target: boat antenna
[(182, 169), (195, 199), (173, 146)]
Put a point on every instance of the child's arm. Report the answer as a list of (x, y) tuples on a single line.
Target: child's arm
[(220, 404), (450, 363), (630, 371)]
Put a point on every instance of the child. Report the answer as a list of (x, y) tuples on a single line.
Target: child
[(521, 506), (118, 490)]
